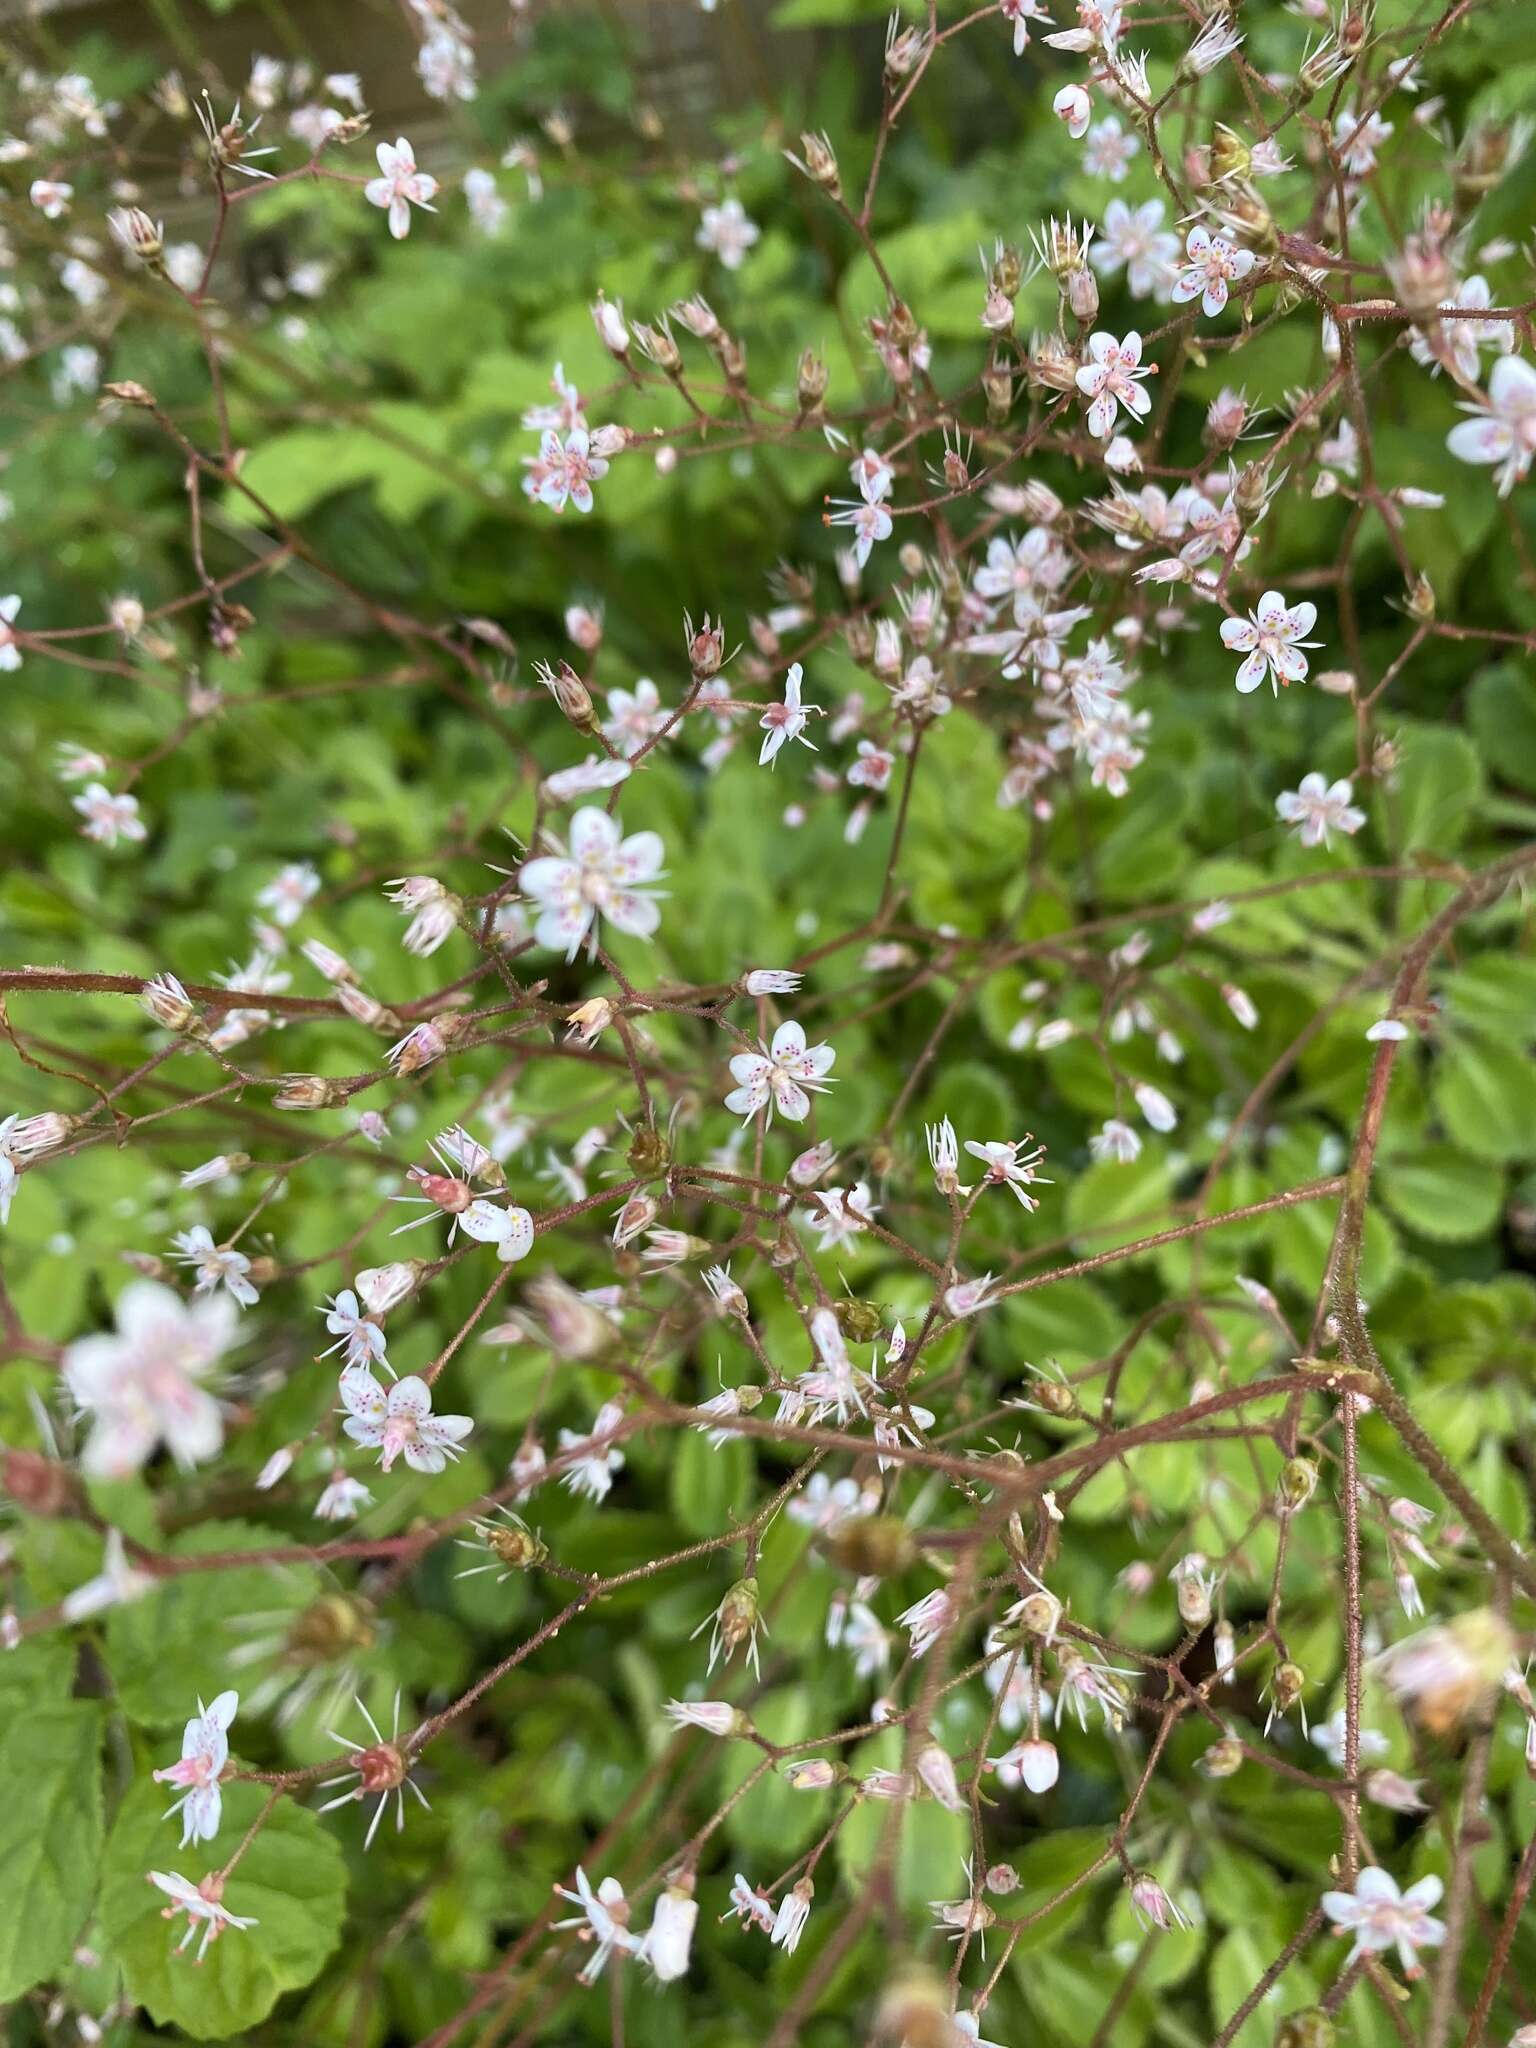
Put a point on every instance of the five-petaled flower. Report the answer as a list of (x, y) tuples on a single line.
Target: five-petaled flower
[(1317, 807), (604, 875), (204, 1753), (142, 1385), (1502, 429), (1112, 378), (1380, 1916), (400, 186), (786, 721), (1213, 263), (726, 230), (779, 1076), (569, 469), (400, 1423), (1271, 637), (202, 1904)]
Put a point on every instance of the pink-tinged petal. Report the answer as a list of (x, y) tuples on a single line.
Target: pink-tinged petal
[(410, 1399), (549, 876), (422, 1457), (1481, 440), (788, 1041), (1242, 261), (792, 1099), (1101, 345), (1187, 287), (1271, 609), (365, 1430), (446, 1429), (816, 1061), (581, 496), (1303, 617), (630, 912), (640, 857), (594, 835), (563, 930), (750, 1068), (1090, 379), (1101, 417), (1199, 242), (1290, 663), (1375, 1886), (361, 1393), (1239, 635), (1215, 297), (379, 191), (1426, 1893), (399, 218), (1252, 672), (1137, 399), (1512, 385), (747, 1101)]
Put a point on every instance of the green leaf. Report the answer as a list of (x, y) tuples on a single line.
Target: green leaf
[(1439, 780), (50, 1837), (705, 1483), (174, 1644), (1486, 1098), (291, 1880), (1443, 1195)]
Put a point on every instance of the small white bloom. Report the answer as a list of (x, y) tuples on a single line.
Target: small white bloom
[(400, 186), (204, 1753)]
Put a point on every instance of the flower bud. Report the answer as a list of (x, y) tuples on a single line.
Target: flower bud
[(135, 232), (997, 388), (819, 162), (610, 441), (706, 647), (1052, 363), (169, 1004), (658, 347), (648, 1152), (1002, 1878), (381, 1288), (811, 383), (860, 1321), (936, 1768), (309, 1091), (1421, 600), (1082, 292), (608, 319), (1309, 2028), (814, 1775), (1223, 1758), (570, 693)]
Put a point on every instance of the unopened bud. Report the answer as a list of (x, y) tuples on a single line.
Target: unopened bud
[(1421, 600), (1296, 1485), (819, 162), (811, 384), (1082, 294), (135, 232)]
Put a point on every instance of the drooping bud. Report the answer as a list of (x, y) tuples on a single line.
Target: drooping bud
[(1296, 1485)]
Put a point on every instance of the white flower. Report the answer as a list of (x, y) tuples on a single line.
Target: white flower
[(1382, 1917), (1502, 430), (669, 1938), (1110, 149), (50, 197), (1212, 264), (604, 875), (288, 892), (1357, 141), (786, 721), (10, 657), (109, 818), (1134, 239), (968, 2024), (1021, 13), (1329, 1737), (400, 1422), (926, 1620), (634, 718), (1034, 1763), (604, 1918), (1116, 1141), (568, 469), (433, 911), (869, 520), (141, 1384), (1074, 109), (200, 1903), (204, 1753), (784, 1070), (400, 186), (1111, 378), (1317, 807), (591, 1471), (794, 1911), (726, 230), (341, 1499), (1271, 637), (751, 1905), (364, 1340), (967, 1296), (216, 1265), (1005, 1168)]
